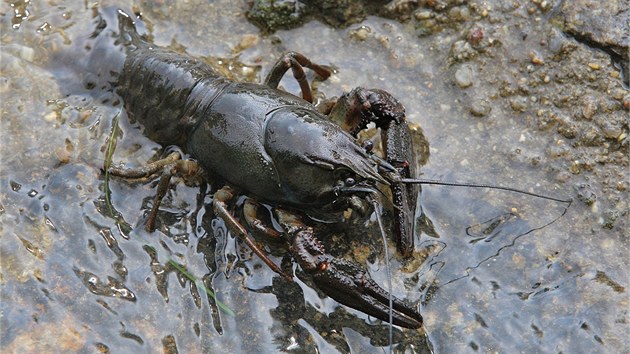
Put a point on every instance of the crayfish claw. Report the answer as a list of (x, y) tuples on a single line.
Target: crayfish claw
[(399, 153), (342, 280), (349, 284), (356, 109), (353, 112)]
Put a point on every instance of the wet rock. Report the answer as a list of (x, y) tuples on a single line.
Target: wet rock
[(598, 24), (464, 76), (270, 15), (341, 13)]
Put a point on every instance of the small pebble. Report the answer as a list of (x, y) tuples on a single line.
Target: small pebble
[(480, 108), (519, 104), (247, 41), (618, 94), (545, 5), (463, 76), (594, 66), (63, 154), (590, 108), (568, 131), (475, 36), (563, 176), (463, 50), (51, 117), (585, 193), (536, 58), (423, 15), (361, 33), (610, 130), (575, 168)]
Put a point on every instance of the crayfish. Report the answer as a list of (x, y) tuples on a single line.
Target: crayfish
[(279, 149)]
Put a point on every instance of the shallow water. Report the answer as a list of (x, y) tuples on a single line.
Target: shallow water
[(489, 275)]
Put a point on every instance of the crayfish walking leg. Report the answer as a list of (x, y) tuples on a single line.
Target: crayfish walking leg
[(219, 204), (167, 167), (173, 165), (296, 62)]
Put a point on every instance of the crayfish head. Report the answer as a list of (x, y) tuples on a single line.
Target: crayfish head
[(316, 160)]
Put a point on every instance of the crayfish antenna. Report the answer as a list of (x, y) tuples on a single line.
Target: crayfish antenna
[(476, 185), (377, 211)]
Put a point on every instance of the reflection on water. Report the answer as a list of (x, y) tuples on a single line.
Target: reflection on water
[(489, 229), (77, 276)]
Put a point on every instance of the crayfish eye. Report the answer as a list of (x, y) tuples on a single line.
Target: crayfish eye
[(368, 145), (349, 182), (343, 173)]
